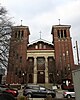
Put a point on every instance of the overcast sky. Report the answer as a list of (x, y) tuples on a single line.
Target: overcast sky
[(40, 15)]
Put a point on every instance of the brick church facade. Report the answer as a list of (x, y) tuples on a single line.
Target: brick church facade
[(40, 61)]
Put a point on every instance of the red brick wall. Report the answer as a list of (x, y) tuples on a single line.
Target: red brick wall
[(17, 55), (63, 51)]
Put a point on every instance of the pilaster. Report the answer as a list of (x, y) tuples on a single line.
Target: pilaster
[(35, 70), (46, 70)]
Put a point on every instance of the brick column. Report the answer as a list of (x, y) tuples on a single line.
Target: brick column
[(35, 70), (46, 70)]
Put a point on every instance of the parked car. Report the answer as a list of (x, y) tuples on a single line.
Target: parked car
[(15, 86), (6, 96), (69, 94), (38, 91), (6, 89)]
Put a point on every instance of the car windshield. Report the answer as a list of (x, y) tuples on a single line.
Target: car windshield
[(42, 88), (71, 90)]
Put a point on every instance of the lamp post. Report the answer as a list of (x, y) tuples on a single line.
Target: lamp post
[(77, 52), (23, 77)]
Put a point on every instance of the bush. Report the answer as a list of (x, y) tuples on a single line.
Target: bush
[(22, 98)]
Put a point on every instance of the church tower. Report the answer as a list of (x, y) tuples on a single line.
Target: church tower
[(18, 54), (63, 51)]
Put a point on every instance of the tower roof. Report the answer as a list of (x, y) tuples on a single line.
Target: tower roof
[(21, 26), (55, 26)]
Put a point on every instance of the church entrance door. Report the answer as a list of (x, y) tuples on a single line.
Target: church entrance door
[(40, 70), (41, 77)]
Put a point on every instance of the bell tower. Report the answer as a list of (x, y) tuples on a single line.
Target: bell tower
[(63, 51), (18, 54)]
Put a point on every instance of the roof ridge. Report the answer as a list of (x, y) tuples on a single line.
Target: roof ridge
[(43, 40)]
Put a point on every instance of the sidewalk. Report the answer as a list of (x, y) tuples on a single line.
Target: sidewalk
[(59, 90)]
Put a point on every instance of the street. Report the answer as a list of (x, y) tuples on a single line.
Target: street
[(58, 94)]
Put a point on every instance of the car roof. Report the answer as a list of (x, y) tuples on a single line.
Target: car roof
[(31, 85)]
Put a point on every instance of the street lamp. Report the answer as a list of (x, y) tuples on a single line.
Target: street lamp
[(23, 77)]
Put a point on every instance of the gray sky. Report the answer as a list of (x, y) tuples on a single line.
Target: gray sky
[(40, 15)]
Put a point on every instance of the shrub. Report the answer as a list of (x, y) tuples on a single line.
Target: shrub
[(22, 98)]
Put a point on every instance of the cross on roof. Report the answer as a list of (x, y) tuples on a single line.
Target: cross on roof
[(21, 22), (59, 21), (40, 34)]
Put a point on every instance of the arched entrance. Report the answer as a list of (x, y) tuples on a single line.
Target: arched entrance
[(51, 70), (30, 78), (40, 70)]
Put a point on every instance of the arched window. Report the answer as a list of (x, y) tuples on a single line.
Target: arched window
[(65, 33), (30, 78), (22, 34), (21, 59), (19, 34), (61, 33), (36, 46), (58, 33), (44, 46), (40, 46), (15, 34)]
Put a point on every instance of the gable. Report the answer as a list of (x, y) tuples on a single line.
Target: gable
[(40, 45)]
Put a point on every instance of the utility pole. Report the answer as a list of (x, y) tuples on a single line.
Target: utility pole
[(77, 52)]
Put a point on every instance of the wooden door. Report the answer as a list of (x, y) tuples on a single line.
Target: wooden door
[(41, 77)]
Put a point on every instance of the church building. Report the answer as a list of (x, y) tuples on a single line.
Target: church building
[(40, 62)]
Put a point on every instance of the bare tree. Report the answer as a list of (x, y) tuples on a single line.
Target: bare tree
[(5, 33)]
